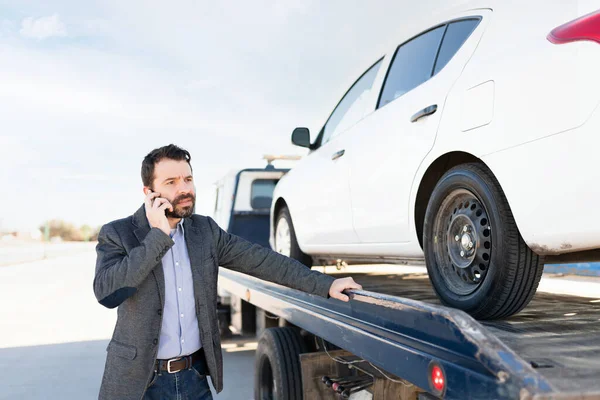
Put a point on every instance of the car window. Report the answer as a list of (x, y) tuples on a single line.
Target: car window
[(262, 193), (455, 37), (352, 108), (412, 65)]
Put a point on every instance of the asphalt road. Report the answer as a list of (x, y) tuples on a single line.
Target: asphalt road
[(21, 252), (54, 334)]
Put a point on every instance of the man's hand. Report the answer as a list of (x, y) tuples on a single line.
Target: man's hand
[(155, 211), (340, 285)]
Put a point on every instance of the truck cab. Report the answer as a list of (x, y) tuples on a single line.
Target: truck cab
[(240, 203)]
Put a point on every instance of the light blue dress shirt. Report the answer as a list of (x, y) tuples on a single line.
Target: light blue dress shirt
[(179, 334)]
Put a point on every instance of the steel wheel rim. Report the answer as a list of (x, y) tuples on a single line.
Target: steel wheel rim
[(462, 241), (283, 237)]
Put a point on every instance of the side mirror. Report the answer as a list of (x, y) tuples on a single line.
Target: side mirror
[(301, 137)]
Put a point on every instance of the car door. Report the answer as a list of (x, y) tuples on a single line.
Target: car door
[(393, 141), (321, 211)]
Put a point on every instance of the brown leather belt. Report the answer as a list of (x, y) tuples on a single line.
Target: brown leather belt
[(177, 364)]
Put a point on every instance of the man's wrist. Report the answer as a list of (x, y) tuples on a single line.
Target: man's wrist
[(162, 232), (165, 229)]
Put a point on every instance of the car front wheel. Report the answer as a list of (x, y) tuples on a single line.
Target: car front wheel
[(476, 258), (285, 238)]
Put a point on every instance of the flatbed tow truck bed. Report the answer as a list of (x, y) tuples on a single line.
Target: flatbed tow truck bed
[(550, 350)]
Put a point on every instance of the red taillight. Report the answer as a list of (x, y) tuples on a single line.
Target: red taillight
[(583, 28), (437, 379)]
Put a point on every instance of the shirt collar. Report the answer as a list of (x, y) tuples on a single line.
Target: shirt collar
[(177, 227)]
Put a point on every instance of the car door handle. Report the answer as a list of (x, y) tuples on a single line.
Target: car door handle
[(338, 154), (424, 112)]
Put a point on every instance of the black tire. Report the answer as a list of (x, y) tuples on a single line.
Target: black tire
[(476, 258), (295, 252), (277, 365)]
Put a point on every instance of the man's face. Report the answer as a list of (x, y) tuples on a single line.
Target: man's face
[(173, 181)]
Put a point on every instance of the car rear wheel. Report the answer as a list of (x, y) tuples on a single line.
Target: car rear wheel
[(476, 258), (285, 238)]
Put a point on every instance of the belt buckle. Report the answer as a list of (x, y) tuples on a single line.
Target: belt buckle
[(169, 365)]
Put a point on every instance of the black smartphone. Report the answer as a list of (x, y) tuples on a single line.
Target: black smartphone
[(152, 191)]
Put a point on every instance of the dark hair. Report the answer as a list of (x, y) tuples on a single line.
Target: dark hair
[(171, 152)]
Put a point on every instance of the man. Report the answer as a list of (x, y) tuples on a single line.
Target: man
[(160, 268)]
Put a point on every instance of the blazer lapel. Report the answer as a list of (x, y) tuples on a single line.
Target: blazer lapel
[(142, 228), (193, 241)]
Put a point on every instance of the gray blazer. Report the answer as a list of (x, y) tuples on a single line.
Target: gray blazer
[(129, 276)]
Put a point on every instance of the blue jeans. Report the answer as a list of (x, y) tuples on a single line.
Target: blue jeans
[(187, 384)]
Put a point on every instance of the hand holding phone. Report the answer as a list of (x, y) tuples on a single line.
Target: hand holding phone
[(156, 207)]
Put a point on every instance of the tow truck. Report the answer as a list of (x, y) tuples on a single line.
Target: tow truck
[(394, 340)]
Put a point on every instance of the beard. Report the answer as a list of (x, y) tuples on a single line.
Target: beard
[(182, 211)]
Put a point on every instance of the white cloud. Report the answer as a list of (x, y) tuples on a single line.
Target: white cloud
[(6, 27), (227, 83), (43, 27)]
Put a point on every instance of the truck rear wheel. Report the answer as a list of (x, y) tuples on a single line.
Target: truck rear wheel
[(476, 258), (285, 238), (277, 366)]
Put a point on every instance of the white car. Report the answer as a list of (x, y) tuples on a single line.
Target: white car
[(471, 144)]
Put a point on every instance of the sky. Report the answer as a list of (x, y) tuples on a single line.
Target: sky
[(87, 89)]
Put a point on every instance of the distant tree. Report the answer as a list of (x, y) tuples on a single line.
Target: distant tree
[(62, 229), (94, 234), (69, 232), (86, 232)]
